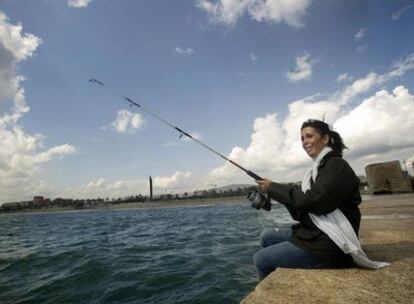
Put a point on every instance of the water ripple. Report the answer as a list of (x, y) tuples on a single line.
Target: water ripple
[(168, 255)]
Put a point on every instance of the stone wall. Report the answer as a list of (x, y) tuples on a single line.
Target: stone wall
[(387, 234)]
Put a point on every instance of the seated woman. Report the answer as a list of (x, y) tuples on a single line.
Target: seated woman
[(326, 208)]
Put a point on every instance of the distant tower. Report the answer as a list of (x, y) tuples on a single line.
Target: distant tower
[(150, 182)]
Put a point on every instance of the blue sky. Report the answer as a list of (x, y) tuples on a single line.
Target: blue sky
[(240, 75)]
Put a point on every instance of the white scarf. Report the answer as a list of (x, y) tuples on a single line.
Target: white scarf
[(336, 225)]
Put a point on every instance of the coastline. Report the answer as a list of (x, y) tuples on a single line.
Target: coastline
[(140, 205), (374, 212)]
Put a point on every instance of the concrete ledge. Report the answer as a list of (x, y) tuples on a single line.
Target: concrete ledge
[(387, 234)]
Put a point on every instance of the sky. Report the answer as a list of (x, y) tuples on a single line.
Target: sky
[(240, 76)]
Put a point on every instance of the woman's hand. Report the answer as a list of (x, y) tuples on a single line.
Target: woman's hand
[(264, 184)]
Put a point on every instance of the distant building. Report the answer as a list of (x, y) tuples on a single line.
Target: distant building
[(199, 192), (38, 199)]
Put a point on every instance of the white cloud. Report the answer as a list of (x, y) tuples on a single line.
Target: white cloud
[(78, 3), (20, 158), (99, 183), (20, 162), (360, 34), (54, 152), (395, 16), (15, 46), (303, 69), (20, 45), (380, 123), (102, 187), (226, 12), (183, 51), (177, 181), (253, 57), (377, 128), (344, 77), (373, 80), (127, 122), (229, 12)]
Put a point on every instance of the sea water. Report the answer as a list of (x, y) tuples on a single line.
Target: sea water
[(162, 255)]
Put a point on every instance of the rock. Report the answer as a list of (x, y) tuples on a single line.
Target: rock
[(387, 234), (400, 185), (387, 177)]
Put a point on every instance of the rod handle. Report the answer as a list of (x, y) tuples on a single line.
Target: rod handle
[(254, 175)]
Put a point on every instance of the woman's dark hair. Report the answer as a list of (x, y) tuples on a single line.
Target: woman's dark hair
[(335, 140)]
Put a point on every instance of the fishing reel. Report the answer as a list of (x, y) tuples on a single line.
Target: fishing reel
[(259, 200)]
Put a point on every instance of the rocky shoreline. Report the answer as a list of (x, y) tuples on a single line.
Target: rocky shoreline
[(387, 234)]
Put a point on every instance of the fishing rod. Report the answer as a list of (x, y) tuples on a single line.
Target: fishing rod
[(181, 131)]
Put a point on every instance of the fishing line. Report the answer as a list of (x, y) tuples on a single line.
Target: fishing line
[(181, 131)]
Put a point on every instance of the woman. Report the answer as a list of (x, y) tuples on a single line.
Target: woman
[(330, 190)]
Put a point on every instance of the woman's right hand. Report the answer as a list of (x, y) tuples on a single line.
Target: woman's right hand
[(264, 184)]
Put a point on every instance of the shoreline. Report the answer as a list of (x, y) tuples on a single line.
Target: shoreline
[(205, 202), (377, 206)]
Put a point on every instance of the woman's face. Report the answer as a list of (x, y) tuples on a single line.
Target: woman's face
[(312, 141)]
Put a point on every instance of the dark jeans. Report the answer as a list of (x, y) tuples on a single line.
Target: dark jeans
[(277, 252)]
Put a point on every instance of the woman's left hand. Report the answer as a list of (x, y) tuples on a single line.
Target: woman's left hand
[(264, 184)]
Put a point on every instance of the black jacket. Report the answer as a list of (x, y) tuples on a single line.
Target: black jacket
[(336, 186)]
